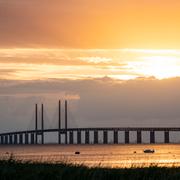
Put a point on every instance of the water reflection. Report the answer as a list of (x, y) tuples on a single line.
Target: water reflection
[(97, 155)]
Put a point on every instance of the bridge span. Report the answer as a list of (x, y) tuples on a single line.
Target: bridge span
[(90, 135)]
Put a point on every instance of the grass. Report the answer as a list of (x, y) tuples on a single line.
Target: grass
[(12, 169)]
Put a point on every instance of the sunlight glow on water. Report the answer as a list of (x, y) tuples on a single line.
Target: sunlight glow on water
[(97, 155)]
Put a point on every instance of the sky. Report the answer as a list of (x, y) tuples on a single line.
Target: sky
[(82, 49), (122, 39)]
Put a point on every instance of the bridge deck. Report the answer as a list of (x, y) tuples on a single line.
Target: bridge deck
[(96, 129)]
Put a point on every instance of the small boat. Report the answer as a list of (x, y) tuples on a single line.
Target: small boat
[(77, 152), (149, 151)]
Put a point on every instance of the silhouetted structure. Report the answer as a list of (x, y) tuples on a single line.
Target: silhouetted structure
[(32, 136)]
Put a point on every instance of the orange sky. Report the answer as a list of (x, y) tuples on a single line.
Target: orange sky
[(89, 38), (90, 23)]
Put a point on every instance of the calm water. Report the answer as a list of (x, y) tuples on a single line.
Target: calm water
[(97, 155)]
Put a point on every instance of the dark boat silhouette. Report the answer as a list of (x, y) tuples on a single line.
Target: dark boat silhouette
[(149, 151), (77, 152)]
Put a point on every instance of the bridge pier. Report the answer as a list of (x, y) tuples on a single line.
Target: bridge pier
[(139, 137), (2, 139), (20, 138), (166, 136), (95, 137), (126, 137), (66, 138), (59, 137), (26, 138), (152, 137), (36, 138), (115, 137), (42, 138), (32, 138), (71, 138), (86, 137), (78, 137), (6, 139), (10, 139), (105, 137), (15, 139)]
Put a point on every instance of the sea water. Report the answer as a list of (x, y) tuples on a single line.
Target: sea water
[(96, 155)]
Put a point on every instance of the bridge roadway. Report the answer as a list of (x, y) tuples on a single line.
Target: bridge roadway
[(70, 134)]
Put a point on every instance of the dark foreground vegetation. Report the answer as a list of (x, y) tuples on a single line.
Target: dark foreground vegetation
[(11, 169)]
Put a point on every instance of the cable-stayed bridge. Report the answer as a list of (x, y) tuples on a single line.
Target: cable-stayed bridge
[(68, 135)]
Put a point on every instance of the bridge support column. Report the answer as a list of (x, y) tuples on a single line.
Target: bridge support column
[(115, 137), (2, 139), (126, 137), (105, 137), (87, 137), (32, 138), (20, 138), (6, 139), (15, 139), (66, 137), (42, 138), (26, 138), (95, 137), (78, 137), (139, 137), (152, 137), (71, 138), (166, 136), (59, 137), (36, 137), (10, 139)]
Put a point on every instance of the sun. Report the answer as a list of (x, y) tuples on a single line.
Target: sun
[(159, 66)]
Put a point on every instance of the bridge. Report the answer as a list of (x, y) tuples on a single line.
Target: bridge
[(70, 134)]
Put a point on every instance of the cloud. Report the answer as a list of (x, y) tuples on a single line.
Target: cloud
[(34, 63), (61, 63), (96, 60)]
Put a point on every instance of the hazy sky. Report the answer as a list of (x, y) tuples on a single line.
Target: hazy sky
[(96, 102)]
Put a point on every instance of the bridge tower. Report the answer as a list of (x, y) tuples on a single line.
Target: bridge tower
[(66, 125), (36, 123), (59, 123), (37, 131), (42, 123)]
